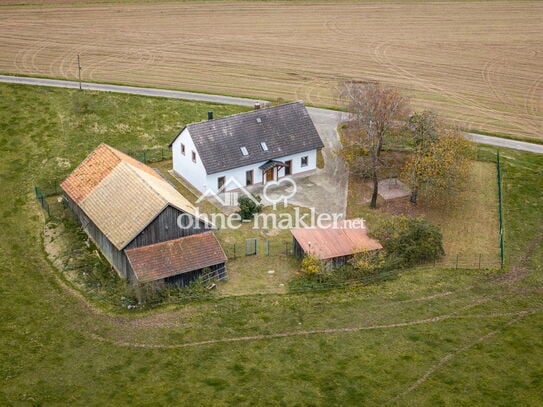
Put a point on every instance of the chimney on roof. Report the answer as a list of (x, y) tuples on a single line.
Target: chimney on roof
[(257, 106), (210, 115)]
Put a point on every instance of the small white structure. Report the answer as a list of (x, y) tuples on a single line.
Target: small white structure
[(251, 148)]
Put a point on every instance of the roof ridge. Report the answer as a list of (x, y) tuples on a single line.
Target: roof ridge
[(166, 201), (245, 113), (172, 241), (136, 171)]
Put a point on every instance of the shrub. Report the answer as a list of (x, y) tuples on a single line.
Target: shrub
[(248, 206), (409, 241), (311, 265), (368, 262)]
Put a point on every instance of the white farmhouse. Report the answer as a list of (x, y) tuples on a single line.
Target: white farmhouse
[(249, 148)]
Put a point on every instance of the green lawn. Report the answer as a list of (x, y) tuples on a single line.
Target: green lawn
[(428, 337)]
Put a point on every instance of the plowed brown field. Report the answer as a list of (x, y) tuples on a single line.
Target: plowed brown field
[(480, 64)]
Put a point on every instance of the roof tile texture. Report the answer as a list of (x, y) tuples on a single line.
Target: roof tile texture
[(286, 129), (119, 194), (161, 260)]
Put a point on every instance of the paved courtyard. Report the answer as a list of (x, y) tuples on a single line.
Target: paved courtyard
[(325, 189)]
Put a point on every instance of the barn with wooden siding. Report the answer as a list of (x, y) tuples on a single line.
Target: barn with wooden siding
[(334, 245), (123, 204), (179, 261)]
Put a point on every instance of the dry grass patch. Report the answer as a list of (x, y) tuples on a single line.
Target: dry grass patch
[(468, 220)]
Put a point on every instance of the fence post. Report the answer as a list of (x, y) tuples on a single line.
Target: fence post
[(479, 261), (144, 157), (500, 207), (457, 262), (161, 154), (234, 250)]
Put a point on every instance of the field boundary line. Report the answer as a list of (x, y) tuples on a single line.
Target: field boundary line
[(309, 331)]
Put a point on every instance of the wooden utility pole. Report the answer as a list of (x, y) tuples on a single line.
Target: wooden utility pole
[(79, 69)]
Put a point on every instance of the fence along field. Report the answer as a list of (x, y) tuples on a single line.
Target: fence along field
[(480, 64)]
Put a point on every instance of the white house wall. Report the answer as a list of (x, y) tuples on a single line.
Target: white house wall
[(238, 174), (196, 175), (193, 172)]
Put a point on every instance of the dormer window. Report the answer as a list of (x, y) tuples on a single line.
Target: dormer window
[(264, 146), (244, 151)]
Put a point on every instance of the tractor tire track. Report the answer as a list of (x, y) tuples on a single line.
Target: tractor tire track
[(452, 355)]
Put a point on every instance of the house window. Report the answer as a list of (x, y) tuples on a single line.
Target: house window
[(194, 156), (182, 149), (220, 182), (264, 146), (249, 177), (244, 151), (305, 161)]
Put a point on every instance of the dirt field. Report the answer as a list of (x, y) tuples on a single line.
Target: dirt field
[(480, 64)]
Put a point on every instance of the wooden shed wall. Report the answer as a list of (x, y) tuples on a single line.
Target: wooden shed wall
[(164, 227), (330, 263), (184, 279), (117, 258)]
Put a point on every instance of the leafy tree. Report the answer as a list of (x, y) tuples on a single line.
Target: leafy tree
[(248, 206), (440, 160), (409, 241), (374, 111)]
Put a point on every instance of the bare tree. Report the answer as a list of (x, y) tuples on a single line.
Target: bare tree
[(374, 111)]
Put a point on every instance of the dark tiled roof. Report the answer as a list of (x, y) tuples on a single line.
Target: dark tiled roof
[(173, 257), (286, 129)]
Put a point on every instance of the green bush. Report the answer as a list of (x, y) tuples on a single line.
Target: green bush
[(367, 263), (409, 241), (311, 265), (248, 206)]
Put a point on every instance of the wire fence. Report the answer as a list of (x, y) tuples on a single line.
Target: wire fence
[(258, 247), (268, 247), (151, 155)]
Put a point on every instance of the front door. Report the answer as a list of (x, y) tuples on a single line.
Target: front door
[(288, 165), (270, 175)]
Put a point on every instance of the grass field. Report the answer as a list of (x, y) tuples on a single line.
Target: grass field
[(478, 63), (427, 337)]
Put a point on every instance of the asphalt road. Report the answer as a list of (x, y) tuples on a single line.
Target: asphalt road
[(330, 117)]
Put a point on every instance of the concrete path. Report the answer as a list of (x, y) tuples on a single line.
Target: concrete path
[(506, 143)]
